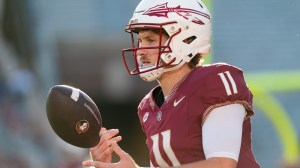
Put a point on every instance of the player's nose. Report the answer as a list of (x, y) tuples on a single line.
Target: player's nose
[(141, 52)]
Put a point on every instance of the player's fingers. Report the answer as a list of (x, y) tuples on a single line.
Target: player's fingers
[(119, 151), (108, 152), (101, 132), (109, 134), (104, 152), (96, 152), (105, 135), (103, 129), (106, 145), (110, 142)]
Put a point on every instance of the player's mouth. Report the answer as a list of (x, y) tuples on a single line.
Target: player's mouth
[(146, 63)]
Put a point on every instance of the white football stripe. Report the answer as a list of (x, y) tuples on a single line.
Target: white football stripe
[(75, 94), (232, 82), (168, 149), (226, 84), (159, 159)]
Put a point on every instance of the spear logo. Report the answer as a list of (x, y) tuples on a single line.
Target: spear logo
[(163, 10)]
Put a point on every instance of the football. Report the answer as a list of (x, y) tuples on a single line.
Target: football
[(73, 116)]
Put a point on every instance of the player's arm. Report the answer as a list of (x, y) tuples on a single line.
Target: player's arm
[(222, 135)]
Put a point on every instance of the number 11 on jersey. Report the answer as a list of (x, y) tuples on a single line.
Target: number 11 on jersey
[(226, 84), (166, 143)]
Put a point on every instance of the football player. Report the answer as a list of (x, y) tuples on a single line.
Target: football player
[(198, 115)]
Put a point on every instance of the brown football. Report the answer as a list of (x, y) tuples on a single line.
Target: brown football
[(73, 116)]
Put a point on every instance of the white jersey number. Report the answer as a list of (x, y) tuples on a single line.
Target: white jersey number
[(166, 135), (228, 87)]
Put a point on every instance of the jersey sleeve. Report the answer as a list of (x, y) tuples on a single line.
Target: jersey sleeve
[(223, 86)]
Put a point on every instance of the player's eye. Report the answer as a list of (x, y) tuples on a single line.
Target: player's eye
[(150, 40), (146, 42)]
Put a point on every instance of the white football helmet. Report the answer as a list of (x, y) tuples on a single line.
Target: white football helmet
[(180, 19)]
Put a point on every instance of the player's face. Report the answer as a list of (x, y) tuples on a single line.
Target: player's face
[(148, 38)]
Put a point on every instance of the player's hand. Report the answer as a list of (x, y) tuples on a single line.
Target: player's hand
[(103, 151), (125, 160)]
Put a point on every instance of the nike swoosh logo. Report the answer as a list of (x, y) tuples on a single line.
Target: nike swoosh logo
[(177, 102)]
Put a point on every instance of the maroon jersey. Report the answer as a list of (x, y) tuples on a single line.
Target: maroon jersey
[(174, 130)]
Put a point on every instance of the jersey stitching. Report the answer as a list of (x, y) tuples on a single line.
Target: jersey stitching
[(243, 102), (174, 89)]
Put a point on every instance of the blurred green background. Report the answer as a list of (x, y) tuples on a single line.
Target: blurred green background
[(79, 43)]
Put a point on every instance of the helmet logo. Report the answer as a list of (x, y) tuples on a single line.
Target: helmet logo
[(163, 10)]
